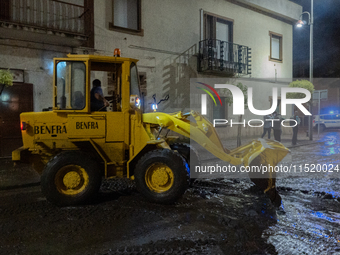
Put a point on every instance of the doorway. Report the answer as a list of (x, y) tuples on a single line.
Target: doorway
[(13, 101)]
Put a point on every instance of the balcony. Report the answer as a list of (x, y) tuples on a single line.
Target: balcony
[(223, 58), (46, 21)]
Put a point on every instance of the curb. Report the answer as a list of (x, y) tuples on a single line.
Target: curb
[(304, 144)]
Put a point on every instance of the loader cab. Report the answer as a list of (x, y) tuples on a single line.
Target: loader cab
[(73, 77)]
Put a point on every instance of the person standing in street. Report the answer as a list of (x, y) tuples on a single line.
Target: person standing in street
[(295, 128), (267, 125), (277, 126)]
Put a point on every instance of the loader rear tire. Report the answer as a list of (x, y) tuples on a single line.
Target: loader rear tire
[(70, 178), (162, 176)]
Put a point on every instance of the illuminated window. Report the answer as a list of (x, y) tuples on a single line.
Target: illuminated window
[(218, 28), (126, 16), (275, 47)]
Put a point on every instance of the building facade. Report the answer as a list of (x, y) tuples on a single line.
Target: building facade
[(174, 41), (32, 33)]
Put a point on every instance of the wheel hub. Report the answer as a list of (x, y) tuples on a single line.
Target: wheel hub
[(71, 180), (159, 177)]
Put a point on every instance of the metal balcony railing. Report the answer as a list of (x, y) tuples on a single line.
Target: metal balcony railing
[(44, 14), (220, 57)]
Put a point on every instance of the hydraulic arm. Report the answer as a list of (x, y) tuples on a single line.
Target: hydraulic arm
[(205, 134)]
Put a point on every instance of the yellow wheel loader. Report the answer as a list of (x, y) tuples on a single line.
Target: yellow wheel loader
[(74, 148)]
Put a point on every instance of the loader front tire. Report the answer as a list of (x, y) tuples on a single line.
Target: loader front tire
[(162, 176), (189, 154), (70, 178)]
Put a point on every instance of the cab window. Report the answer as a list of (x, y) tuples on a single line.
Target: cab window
[(134, 80), (70, 82), (110, 77)]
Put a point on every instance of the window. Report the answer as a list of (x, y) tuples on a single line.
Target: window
[(70, 81), (275, 47), (5, 10), (142, 83), (220, 111), (218, 35), (110, 76), (134, 80), (218, 28), (126, 16)]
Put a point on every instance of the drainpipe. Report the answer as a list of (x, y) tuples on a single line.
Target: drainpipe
[(202, 20)]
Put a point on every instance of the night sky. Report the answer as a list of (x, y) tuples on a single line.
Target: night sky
[(326, 40)]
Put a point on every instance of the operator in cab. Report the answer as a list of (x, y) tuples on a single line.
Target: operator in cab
[(98, 101)]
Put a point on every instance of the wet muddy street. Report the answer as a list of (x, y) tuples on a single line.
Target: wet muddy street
[(215, 216)]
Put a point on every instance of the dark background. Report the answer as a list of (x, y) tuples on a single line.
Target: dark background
[(326, 40)]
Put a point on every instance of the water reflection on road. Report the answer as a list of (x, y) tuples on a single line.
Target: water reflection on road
[(311, 221), (331, 144)]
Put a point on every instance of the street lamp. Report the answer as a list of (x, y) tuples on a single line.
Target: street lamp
[(300, 23)]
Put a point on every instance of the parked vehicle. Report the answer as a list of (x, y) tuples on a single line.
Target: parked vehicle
[(326, 121)]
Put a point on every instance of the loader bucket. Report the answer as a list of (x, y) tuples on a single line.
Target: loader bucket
[(262, 156), (267, 151)]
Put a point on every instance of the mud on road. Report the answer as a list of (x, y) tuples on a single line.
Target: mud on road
[(216, 216), (212, 218)]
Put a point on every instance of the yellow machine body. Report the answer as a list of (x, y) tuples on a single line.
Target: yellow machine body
[(118, 139)]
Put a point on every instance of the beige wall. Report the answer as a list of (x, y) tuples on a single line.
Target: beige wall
[(37, 65), (283, 7), (175, 26)]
